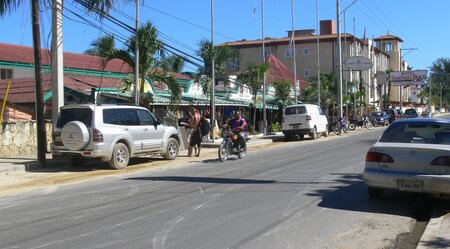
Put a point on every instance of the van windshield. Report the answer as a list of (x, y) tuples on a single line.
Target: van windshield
[(295, 110)]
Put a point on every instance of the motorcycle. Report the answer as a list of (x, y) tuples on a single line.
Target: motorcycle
[(231, 145), (365, 122)]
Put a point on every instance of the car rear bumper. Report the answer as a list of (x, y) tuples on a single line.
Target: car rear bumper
[(432, 184), (304, 131)]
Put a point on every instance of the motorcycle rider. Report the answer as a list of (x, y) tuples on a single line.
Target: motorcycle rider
[(238, 125)]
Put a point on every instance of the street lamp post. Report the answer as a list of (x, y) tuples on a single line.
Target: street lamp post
[(264, 78), (339, 93)]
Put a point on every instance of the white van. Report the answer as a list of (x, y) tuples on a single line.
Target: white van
[(304, 119)]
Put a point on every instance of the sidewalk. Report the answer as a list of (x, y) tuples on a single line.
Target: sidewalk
[(30, 162)]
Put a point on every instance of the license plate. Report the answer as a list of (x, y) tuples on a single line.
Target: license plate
[(296, 126), (410, 185)]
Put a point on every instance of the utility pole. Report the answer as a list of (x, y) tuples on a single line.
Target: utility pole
[(57, 61), (213, 76), (136, 62), (339, 93), (264, 78), (294, 55), (318, 53), (39, 108)]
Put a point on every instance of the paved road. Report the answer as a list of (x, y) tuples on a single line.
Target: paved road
[(302, 194)]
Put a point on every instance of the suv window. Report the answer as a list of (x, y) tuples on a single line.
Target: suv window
[(295, 110), (146, 117), (121, 117), (75, 114)]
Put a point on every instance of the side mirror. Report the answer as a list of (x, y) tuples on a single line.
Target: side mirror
[(157, 123)]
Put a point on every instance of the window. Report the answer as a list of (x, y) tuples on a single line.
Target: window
[(295, 110), (146, 117), (6, 74), (306, 72), (305, 51), (290, 52)]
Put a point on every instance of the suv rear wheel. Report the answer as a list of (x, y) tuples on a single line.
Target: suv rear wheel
[(172, 149), (120, 156)]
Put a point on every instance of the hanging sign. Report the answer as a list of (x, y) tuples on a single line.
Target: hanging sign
[(358, 63)]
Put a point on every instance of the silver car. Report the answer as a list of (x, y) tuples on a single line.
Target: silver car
[(113, 133), (412, 155)]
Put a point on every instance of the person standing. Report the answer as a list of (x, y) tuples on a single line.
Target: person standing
[(196, 137)]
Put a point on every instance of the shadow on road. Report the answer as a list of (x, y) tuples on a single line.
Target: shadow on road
[(350, 193)]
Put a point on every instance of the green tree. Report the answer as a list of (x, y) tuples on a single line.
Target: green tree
[(223, 56), (151, 58), (253, 78), (282, 92), (328, 90), (440, 81), (173, 63)]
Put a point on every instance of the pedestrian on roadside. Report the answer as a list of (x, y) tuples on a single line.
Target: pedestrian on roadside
[(196, 137), (205, 128)]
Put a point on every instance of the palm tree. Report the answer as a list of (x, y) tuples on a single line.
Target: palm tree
[(253, 78), (151, 60), (222, 55), (173, 63)]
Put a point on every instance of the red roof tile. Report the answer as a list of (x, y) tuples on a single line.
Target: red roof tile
[(23, 54), (23, 90), (279, 72)]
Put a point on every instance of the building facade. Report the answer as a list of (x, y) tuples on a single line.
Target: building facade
[(314, 53)]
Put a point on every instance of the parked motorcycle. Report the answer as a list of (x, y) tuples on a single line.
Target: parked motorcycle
[(364, 122), (231, 145)]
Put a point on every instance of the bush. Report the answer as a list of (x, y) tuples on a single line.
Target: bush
[(252, 130), (276, 127)]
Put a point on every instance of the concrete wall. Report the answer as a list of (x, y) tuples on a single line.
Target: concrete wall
[(20, 138)]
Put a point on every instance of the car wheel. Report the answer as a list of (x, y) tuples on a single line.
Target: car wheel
[(172, 149), (120, 156), (325, 134), (301, 136), (314, 134), (75, 135), (375, 193)]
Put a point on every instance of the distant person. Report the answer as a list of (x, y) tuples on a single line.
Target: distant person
[(195, 140)]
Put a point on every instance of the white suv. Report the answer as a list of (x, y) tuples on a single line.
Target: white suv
[(304, 119), (113, 133)]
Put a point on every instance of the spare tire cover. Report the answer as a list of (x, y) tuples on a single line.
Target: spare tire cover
[(75, 135)]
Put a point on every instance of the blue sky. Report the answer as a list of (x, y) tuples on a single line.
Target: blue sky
[(423, 25)]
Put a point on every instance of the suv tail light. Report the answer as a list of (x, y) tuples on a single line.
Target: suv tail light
[(308, 117), (377, 157), (441, 161), (98, 136)]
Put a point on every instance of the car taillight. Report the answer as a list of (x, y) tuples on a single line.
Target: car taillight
[(308, 117), (98, 136), (441, 161), (377, 157)]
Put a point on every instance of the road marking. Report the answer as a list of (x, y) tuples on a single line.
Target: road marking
[(159, 241)]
